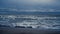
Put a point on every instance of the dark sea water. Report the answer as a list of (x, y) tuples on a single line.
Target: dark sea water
[(33, 21), (29, 22)]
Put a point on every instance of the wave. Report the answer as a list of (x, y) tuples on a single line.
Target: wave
[(34, 21)]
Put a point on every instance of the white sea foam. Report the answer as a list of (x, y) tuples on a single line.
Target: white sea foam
[(35, 21)]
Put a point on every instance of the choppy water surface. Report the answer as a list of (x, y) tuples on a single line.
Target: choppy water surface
[(34, 21)]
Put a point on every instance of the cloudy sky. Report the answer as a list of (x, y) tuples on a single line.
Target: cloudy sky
[(31, 5)]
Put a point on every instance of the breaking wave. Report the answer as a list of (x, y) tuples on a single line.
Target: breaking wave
[(33, 21)]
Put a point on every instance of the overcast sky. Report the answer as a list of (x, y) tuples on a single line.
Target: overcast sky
[(52, 5)]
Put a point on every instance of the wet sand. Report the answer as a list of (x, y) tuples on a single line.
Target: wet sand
[(27, 31)]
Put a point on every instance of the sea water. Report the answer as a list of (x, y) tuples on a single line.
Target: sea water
[(33, 21)]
